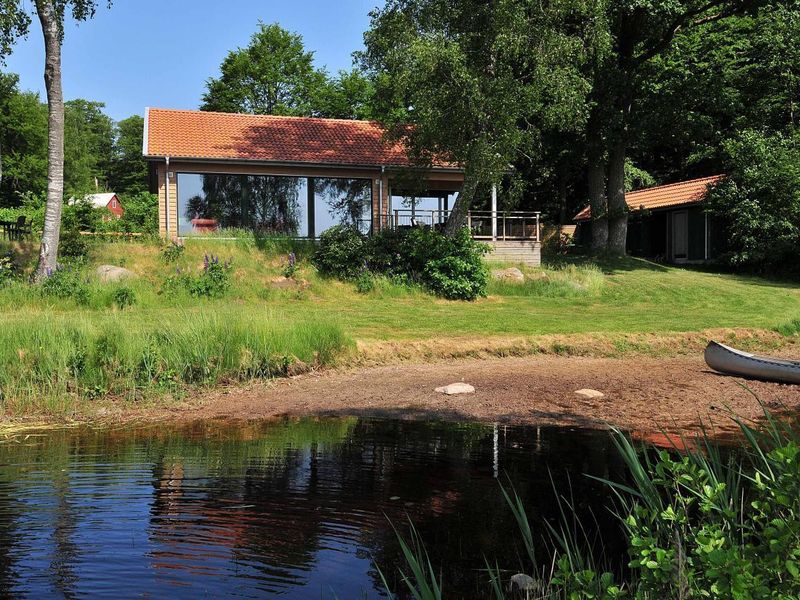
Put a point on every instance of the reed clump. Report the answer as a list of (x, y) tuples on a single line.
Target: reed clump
[(50, 361)]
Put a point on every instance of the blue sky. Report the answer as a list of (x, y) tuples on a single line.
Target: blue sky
[(160, 52)]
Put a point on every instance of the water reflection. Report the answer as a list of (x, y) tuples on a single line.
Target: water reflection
[(295, 509)]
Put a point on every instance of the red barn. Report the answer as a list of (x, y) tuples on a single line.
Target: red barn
[(108, 200)]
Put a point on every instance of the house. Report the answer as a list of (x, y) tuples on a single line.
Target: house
[(297, 176), (667, 222), (109, 201)]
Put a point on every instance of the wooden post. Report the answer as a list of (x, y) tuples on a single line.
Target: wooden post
[(494, 213)]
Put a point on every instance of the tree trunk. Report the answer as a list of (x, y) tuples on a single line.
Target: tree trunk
[(48, 252), (458, 215), (617, 207), (599, 206)]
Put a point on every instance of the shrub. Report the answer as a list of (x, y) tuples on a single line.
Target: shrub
[(66, 284), (212, 282), (8, 268), (341, 252), (456, 278), (448, 266), (72, 245), (365, 283), (124, 297), (291, 268), (172, 252)]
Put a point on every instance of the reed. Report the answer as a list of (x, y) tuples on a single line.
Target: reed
[(49, 361)]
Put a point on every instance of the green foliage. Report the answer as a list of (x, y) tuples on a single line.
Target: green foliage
[(365, 283), (71, 356), (128, 169), (140, 216), (341, 252), (447, 266), (66, 283), (212, 282), (456, 278), (124, 297), (172, 252), (88, 143), (8, 268), (291, 268), (760, 202)]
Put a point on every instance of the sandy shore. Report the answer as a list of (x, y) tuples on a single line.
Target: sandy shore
[(644, 394)]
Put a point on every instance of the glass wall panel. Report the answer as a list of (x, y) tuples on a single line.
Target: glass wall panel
[(263, 203), (342, 201)]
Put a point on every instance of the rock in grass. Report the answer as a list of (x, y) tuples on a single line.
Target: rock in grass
[(456, 388), (588, 393), (110, 273), (521, 582), (510, 275)]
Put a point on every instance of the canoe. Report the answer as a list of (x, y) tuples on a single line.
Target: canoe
[(730, 361)]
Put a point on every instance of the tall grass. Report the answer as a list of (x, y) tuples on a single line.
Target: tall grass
[(566, 281), (47, 362)]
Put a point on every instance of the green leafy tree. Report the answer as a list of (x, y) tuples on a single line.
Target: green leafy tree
[(477, 81), (14, 22), (760, 201), (633, 34), (89, 139), (273, 75), (23, 142), (128, 170), (350, 95)]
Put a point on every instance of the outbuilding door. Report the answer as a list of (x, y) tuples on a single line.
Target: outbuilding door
[(680, 235)]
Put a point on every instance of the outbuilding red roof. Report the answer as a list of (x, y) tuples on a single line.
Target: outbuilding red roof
[(202, 135), (664, 196)]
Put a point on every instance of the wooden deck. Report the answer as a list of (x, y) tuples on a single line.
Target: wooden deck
[(526, 252)]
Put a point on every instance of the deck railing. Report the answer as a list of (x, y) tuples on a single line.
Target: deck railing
[(512, 225)]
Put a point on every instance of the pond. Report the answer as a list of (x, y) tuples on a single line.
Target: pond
[(290, 509)]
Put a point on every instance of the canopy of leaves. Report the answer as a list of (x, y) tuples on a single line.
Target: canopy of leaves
[(760, 201), (477, 80)]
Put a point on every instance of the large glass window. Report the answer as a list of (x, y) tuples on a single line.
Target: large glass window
[(264, 203), (342, 201), (271, 204)]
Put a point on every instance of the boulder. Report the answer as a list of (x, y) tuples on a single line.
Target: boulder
[(510, 275), (588, 393), (521, 582), (456, 388), (110, 273)]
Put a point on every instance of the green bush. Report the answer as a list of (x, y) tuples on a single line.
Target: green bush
[(212, 282), (456, 278), (365, 283), (341, 252), (8, 268), (66, 284), (448, 266), (172, 252), (124, 297), (72, 245)]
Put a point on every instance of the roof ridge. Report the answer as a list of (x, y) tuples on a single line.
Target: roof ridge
[(669, 185), (249, 115)]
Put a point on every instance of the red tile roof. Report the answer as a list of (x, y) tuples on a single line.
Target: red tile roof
[(664, 196), (268, 138)]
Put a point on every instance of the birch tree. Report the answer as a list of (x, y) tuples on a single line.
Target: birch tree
[(15, 22)]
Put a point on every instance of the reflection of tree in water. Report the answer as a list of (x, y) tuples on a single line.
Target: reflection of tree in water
[(349, 200), (263, 203)]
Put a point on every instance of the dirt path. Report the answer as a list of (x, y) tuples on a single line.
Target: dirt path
[(644, 394)]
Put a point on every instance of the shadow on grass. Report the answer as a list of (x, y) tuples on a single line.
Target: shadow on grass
[(608, 264)]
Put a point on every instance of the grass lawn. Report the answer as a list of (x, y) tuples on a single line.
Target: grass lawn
[(259, 313)]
